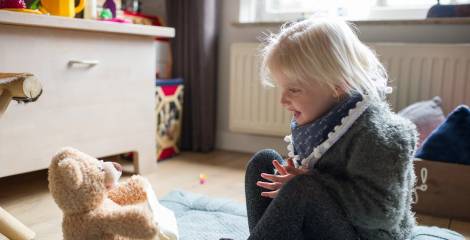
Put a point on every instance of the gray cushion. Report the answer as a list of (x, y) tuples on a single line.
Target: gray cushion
[(200, 217), (435, 233)]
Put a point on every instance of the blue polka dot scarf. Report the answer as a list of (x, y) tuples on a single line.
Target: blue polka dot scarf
[(308, 136)]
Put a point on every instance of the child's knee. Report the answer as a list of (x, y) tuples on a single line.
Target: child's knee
[(263, 158)]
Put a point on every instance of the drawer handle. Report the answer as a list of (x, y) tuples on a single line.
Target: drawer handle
[(88, 63)]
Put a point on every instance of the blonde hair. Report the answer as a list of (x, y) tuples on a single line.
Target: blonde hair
[(327, 51)]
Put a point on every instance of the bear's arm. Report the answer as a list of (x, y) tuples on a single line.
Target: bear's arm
[(129, 192), (128, 221)]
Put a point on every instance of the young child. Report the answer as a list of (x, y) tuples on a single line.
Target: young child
[(350, 173)]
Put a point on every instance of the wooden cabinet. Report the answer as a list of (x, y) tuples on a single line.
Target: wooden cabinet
[(98, 90)]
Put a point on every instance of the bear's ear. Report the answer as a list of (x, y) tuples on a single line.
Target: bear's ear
[(71, 173)]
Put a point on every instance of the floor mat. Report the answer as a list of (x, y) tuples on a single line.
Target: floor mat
[(201, 217)]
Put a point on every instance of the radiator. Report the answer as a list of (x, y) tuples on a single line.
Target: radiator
[(416, 72)]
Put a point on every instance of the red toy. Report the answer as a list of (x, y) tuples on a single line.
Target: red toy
[(12, 4)]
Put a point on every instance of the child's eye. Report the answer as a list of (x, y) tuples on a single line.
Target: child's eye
[(294, 90)]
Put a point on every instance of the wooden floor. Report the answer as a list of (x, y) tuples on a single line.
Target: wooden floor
[(26, 196)]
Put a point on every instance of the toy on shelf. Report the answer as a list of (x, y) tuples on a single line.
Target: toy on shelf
[(111, 5), (138, 18), (132, 6), (168, 110), (90, 11), (109, 10), (16, 6), (64, 8), (96, 206), (106, 14), (12, 4)]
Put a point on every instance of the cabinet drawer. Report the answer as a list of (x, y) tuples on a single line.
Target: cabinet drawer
[(81, 106)]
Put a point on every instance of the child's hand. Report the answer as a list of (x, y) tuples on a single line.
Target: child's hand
[(286, 173)]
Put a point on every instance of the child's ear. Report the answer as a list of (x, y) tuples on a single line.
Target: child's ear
[(339, 91), (71, 173)]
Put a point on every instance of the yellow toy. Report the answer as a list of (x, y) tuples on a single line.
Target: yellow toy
[(94, 205), (64, 8), (202, 178)]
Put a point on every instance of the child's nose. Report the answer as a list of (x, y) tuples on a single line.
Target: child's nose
[(284, 100)]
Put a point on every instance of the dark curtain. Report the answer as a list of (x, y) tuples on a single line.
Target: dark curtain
[(194, 51)]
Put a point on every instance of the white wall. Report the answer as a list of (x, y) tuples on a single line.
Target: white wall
[(430, 33)]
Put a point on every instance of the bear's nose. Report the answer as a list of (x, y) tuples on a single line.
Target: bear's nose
[(117, 166)]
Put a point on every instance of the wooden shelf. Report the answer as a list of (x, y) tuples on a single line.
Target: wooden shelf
[(47, 21)]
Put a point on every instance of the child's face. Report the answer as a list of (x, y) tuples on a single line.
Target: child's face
[(307, 103)]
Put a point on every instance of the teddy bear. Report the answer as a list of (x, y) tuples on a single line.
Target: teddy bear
[(94, 205)]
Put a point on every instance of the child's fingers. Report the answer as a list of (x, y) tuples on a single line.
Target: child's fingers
[(269, 185), (295, 171), (290, 162), (281, 169), (276, 178), (271, 194)]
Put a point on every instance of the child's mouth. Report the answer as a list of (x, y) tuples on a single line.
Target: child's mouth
[(296, 114)]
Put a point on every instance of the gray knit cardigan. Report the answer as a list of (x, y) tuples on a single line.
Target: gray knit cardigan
[(370, 172)]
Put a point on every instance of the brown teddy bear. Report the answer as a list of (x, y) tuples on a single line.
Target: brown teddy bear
[(94, 206)]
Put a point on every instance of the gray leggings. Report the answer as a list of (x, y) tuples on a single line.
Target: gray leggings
[(303, 209)]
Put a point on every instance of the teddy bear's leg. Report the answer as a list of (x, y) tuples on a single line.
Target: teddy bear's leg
[(128, 221), (130, 192)]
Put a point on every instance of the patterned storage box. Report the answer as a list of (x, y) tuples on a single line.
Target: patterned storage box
[(169, 110), (442, 189)]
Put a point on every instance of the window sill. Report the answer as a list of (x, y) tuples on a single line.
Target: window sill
[(429, 21)]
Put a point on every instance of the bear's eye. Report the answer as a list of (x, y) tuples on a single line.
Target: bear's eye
[(100, 165)]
